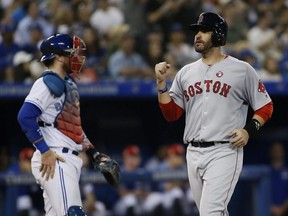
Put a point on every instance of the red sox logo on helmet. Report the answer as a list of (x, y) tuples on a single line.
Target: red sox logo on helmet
[(200, 19)]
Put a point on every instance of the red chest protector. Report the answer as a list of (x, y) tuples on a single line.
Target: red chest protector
[(69, 120)]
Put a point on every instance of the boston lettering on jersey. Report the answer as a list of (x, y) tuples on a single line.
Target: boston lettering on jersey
[(209, 86)]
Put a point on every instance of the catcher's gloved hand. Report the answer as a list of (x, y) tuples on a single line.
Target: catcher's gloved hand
[(108, 167)]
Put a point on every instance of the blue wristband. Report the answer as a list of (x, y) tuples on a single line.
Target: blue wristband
[(161, 91), (41, 146)]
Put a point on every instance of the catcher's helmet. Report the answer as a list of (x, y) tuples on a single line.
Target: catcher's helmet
[(65, 45), (210, 21), (60, 44)]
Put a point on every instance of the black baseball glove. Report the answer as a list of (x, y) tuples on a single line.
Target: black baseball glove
[(108, 167)]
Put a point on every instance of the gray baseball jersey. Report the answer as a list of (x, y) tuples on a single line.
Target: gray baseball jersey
[(216, 98)]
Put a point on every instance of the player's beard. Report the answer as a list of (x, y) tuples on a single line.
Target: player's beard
[(204, 47), (66, 67)]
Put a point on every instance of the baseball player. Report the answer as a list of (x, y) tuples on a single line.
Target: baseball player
[(50, 119), (214, 92)]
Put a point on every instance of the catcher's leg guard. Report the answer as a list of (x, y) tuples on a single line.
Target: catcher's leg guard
[(76, 211)]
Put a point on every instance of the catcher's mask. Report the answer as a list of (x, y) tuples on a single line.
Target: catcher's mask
[(77, 53), (65, 45), (209, 21)]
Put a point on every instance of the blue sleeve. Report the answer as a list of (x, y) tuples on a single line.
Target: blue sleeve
[(27, 118), (115, 65)]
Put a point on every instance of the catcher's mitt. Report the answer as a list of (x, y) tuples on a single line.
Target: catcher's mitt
[(108, 167)]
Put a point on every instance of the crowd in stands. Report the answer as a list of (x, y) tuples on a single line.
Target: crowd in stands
[(125, 38), (141, 197)]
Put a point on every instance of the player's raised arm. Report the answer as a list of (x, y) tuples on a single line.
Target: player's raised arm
[(171, 111), (162, 72)]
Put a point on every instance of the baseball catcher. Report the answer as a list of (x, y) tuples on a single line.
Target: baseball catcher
[(50, 118)]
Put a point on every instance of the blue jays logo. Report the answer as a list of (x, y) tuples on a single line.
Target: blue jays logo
[(219, 74), (58, 106)]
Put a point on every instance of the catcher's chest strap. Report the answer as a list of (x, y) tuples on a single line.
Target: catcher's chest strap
[(44, 124), (67, 150)]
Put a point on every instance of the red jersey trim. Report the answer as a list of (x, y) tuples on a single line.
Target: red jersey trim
[(265, 112), (171, 111)]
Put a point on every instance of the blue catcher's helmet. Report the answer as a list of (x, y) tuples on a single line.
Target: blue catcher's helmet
[(60, 44)]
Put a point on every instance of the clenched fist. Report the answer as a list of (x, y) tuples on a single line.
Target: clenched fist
[(162, 71)]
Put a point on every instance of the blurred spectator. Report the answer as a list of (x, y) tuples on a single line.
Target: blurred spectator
[(26, 68), (190, 205), (173, 199), (281, 23), (135, 197), (83, 13), (182, 52), (8, 48), (262, 37), (210, 5), (154, 53), (106, 16), (113, 39), (154, 35), (283, 38), (29, 199), (48, 8), (63, 20), (157, 159), (235, 13), (36, 69), (247, 55), (163, 13), (21, 63), (91, 205), (283, 64), (153, 49), (279, 180), (15, 11), (128, 64), (96, 56), (130, 191), (22, 36), (117, 3), (4, 158), (270, 70), (5, 3), (36, 37), (135, 17)]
